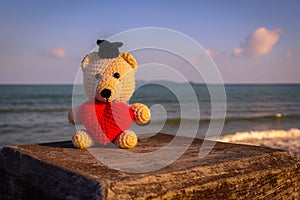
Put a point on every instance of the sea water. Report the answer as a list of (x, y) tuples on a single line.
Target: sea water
[(38, 113)]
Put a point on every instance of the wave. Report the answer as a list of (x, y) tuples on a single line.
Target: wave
[(276, 116), (281, 139), (38, 110), (259, 135), (272, 116)]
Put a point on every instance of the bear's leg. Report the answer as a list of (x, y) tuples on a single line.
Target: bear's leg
[(82, 139), (126, 140)]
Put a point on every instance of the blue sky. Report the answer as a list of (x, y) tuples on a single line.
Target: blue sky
[(250, 41)]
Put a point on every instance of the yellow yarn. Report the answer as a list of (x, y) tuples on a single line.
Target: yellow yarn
[(141, 113), (81, 139), (121, 88), (130, 59), (126, 140), (89, 58), (99, 74)]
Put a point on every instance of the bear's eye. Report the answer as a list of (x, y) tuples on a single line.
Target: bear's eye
[(98, 76), (116, 75)]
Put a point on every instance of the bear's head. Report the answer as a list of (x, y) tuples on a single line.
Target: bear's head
[(109, 76)]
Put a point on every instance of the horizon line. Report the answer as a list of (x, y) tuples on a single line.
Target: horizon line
[(192, 82)]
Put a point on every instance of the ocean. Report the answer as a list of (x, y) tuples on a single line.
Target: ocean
[(38, 113)]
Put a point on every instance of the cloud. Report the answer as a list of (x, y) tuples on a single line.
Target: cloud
[(211, 53), (289, 54), (238, 51), (259, 43), (58, 53)]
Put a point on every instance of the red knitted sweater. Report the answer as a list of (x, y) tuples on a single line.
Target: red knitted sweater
[(105, 121)]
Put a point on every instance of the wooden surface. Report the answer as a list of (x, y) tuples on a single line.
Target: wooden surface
[(229, 171)]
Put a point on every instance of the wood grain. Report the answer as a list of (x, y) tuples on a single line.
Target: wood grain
[(229, 171)]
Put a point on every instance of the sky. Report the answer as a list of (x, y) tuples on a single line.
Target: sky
[(43, 42)]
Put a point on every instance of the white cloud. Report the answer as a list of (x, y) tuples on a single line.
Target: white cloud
[(58, 52), (259, 43), (211, 53)]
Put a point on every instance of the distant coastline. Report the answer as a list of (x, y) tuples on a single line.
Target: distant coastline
[(141, 82)]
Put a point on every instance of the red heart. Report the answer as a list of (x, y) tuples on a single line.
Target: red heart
[(105, 121)]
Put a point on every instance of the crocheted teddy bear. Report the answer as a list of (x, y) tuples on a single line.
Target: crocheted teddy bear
[(109, 82)]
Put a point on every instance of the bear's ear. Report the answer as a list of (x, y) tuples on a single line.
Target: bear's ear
[(130, 59), (88, 59)]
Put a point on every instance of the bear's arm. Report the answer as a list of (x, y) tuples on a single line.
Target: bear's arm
[(73, 115), (141, 112)]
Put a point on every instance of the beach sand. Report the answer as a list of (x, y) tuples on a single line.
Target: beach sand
[(281, 139)]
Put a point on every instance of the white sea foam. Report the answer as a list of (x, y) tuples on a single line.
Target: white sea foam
[(281, 139)]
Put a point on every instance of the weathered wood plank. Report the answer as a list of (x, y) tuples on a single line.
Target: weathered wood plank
[(229, 171)]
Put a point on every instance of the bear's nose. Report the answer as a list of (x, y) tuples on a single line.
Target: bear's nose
[(105, 93)]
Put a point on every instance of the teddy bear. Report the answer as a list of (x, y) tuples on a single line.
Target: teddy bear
[(108, 82)]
